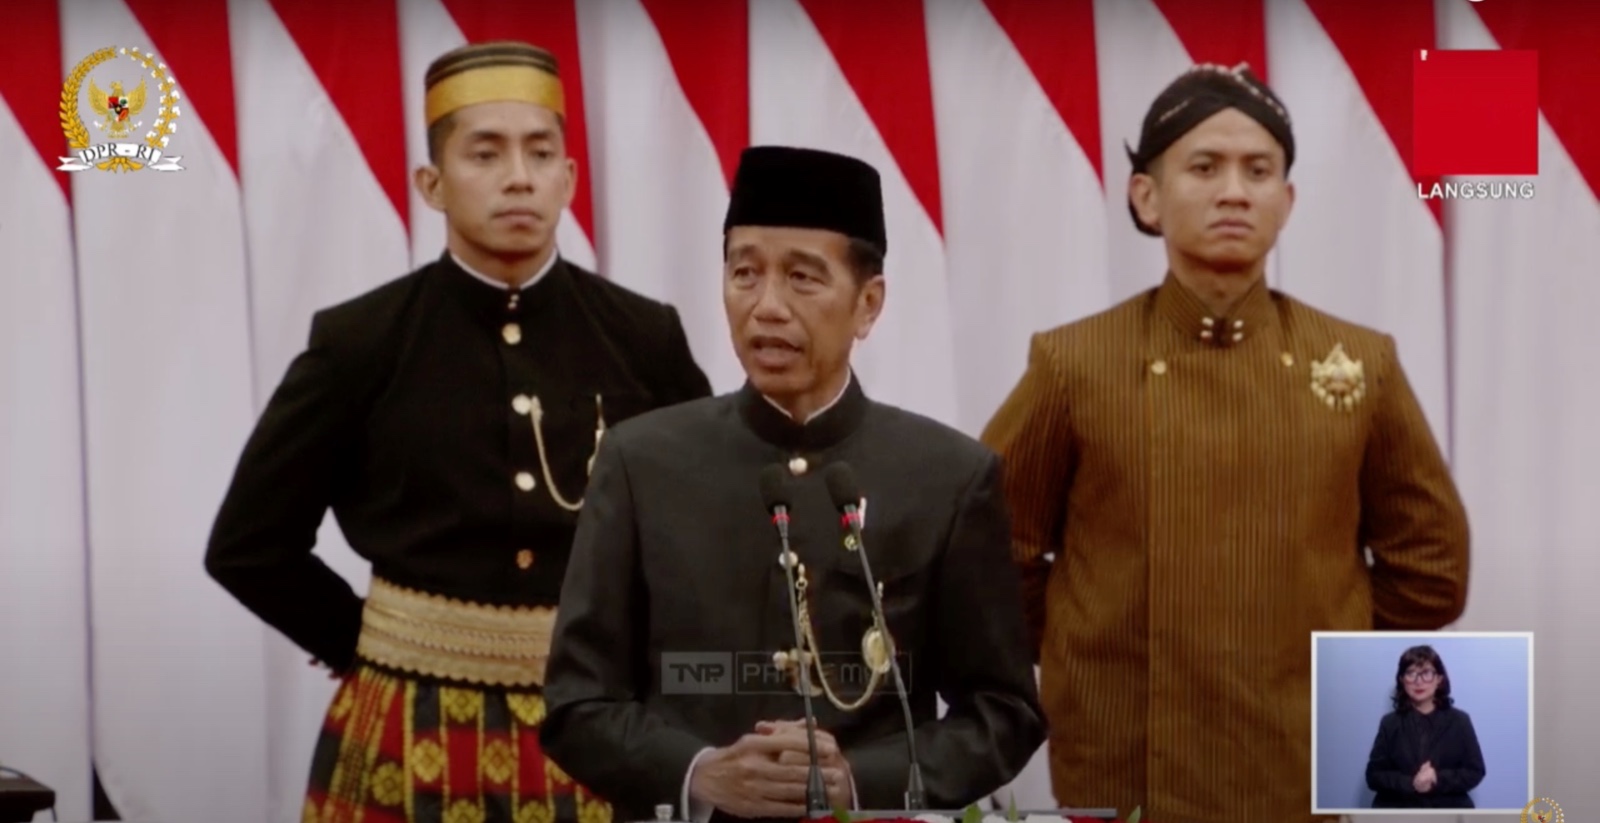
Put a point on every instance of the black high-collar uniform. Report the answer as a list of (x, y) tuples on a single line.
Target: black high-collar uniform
[(676, 561), (410, 416)]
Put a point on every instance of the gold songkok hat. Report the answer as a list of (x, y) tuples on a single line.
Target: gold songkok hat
[(493, 72)]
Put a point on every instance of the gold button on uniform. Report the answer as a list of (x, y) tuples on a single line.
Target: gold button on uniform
[(525, 559), (1288, 359), (797, 466), (525, 481), (521, 404), (1158, 367), (512, 333)]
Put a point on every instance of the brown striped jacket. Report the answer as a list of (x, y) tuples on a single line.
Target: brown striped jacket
[(1207, 506)]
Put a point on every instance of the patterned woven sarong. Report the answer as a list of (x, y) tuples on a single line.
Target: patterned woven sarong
[(401, 750)]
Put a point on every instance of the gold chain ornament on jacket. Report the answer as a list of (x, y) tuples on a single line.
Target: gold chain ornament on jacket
[(536, 414), (877, 649)]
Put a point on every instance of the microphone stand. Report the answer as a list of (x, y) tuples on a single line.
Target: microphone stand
[(916, 799), (816, 794)]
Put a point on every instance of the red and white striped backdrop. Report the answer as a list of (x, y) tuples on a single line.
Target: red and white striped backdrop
[(144, 317)]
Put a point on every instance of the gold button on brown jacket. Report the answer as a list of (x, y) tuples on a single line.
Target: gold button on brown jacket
[(1207, 487)]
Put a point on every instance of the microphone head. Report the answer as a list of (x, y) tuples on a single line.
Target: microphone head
[(842, 486), (774, 488)]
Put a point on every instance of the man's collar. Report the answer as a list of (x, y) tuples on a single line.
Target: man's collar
[(1196, 322), (849, 378), (501, 284), (822, 430)]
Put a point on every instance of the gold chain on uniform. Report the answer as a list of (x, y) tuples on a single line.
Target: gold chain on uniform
[(876, 650), (536, 414)]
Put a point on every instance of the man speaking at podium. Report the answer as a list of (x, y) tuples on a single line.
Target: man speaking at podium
[(676, 569)]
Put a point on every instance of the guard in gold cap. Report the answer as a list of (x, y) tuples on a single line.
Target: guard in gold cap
[(449, 420)]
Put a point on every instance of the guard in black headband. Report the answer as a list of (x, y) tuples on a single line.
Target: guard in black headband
[(1194, 98), (1197, 478)]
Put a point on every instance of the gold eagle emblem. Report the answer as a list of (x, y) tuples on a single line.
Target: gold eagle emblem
[(118, 108), (1542, 810), (1337, 380)]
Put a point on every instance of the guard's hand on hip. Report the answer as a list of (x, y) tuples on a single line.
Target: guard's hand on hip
[(332, 674)]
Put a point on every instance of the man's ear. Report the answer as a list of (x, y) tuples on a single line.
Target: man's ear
[(427, 180), (869, 305), (572, 181), (1145, 197)]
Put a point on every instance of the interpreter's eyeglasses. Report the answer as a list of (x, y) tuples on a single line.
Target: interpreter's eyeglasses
[(1424, 676)]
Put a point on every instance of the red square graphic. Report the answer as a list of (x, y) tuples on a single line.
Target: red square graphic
[(1475, 112)]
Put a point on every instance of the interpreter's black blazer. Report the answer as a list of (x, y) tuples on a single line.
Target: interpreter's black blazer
[(1396, 757)]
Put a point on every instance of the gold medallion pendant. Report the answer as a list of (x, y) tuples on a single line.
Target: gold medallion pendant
[(876, 650)]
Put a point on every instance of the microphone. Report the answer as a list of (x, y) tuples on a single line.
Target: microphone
[(775, 497), (846, 494)]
